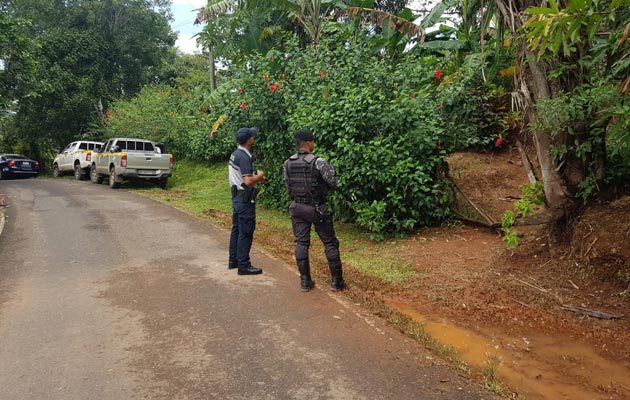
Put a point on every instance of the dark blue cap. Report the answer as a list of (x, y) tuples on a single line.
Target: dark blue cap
[(245, 133), (304, 135)]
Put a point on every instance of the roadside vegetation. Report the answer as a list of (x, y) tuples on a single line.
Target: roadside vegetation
[(387, 98), (391, 94)]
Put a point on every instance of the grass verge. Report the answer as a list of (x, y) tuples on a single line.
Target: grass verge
[(203, 190)]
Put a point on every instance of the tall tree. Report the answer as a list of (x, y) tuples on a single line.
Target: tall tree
[(17, 61), (90, 52)]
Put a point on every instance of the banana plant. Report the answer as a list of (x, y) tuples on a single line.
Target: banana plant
[(310, 15)]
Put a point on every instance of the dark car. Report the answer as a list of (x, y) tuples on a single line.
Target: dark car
[(17, 166)]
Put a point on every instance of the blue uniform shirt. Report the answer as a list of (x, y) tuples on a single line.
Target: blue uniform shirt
[(240, 165)]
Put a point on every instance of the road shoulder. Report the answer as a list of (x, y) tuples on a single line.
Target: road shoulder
[(2, 213)]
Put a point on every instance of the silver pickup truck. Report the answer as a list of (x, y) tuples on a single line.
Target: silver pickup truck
[(123, 159), (75, 157)]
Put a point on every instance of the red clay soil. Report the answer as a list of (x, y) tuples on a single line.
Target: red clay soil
[(471, 280)]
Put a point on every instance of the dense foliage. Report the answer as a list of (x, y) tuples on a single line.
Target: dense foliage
[(384, 105), (87, 54), (382, 132), (587, 45)]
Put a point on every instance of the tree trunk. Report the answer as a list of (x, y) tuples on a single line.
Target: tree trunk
[(213, 73), (556, 192)]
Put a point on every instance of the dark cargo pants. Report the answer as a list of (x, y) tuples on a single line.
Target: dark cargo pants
[(305, 215), (242, 235)]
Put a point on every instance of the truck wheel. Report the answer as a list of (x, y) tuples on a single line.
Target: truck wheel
[(56, 171), (78, 172), (95, 177), (112, 179), (162, 183)]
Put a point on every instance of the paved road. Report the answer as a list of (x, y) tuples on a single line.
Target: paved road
[(108, 295)]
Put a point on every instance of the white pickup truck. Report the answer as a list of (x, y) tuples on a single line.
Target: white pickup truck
[(131, 159), (75, 157)]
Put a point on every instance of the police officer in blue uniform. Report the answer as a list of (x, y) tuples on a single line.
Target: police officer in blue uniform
[(308, 179), (243, 182)]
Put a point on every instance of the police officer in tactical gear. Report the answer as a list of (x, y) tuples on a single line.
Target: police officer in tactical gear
[(309, 178), (243, 182)]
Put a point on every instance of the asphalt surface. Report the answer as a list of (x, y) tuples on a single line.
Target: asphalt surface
[(108, 295)]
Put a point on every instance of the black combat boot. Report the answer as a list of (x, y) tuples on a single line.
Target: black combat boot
[(306, 283), (336, 283)]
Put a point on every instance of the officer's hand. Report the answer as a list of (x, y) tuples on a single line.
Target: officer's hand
[(260, 173)]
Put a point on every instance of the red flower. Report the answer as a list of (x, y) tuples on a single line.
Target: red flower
[(321, 73), (438, 74), (412, 96), (239, 89), (265, 78), (275, 86), (498, 142), (243, 106)]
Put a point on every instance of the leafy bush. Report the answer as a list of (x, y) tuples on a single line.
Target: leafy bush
[(164, 114), (594, 116), (475, 112), (533, 197), (377, 122)]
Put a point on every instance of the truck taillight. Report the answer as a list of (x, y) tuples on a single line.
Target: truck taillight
[(123, 160), (36, 165), (88, 156), (11, 163), (171, 162)]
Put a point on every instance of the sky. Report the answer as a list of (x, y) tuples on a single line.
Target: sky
[(184, 14)]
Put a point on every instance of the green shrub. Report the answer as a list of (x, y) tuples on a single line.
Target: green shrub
[(377, 122)]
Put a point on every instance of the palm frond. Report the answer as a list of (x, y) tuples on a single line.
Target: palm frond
[(436, 13), (217, 94), (213, 9), (270, 31), (380, 18)]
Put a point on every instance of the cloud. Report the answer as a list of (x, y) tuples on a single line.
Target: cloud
[(184, 15), (187, 44)]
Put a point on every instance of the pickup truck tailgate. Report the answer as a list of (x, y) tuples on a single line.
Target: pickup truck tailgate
[(147, 163)]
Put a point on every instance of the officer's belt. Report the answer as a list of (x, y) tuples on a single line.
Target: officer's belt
[(304, 200), (236, 192)]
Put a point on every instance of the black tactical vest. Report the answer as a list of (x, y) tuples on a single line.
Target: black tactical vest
[(304, 181)]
